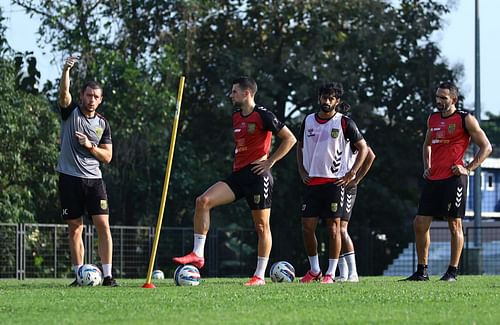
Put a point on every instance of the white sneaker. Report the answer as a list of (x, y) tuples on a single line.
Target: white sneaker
[(340, 279), (353, 278)]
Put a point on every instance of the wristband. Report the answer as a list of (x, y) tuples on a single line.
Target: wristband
[(92, 148)]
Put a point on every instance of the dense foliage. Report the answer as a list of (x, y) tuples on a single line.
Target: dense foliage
[(380, 50)]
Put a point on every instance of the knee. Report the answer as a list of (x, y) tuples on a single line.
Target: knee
[(335, 231), (419, 225), (103, 231), (343, 232), (262, 228), (75, 232), (456, 231), (308, 230), (203, 202)]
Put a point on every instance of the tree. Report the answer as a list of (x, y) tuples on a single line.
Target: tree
[(380, 50), (28, 149)]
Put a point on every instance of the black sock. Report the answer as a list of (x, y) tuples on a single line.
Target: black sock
[(452, 270), (422, 269)]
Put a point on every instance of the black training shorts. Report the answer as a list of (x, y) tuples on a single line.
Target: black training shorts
[(444, 198), (349, 197), (78, 195), (257, 189), (322, 201)]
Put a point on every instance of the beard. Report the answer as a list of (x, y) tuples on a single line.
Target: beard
[(442, 107), (326, 108)]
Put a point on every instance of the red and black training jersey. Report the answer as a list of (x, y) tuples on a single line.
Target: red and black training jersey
[(252, 135), (449, 141)]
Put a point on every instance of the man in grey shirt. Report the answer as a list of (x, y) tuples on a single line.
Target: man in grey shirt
[(85, 143)]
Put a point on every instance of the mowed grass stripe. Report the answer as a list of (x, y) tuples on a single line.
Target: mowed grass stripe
[(375, 300)]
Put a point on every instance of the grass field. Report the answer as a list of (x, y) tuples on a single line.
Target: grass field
[(375, 300)]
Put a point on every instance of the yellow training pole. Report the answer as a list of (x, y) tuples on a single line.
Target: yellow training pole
[(148, 283)]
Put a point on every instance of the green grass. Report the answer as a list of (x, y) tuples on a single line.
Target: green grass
[(375, 300)]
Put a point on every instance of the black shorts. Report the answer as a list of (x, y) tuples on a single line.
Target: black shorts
[(257, 189), (349, 197), (78, 195), (444, 198), (322, 201)]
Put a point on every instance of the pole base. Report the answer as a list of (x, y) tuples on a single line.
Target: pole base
[(149, 286)]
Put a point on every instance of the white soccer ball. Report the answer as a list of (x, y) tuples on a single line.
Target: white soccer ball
[(187, 275), (282, 271), (89, 275), (158, 275)]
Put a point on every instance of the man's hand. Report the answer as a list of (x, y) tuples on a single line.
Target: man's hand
[(70, 62), (262, 166), (459, 170), (304, 176), (83, 140), (64, 94), (348, 177)]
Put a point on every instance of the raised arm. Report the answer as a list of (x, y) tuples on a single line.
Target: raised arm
[(64, 94)]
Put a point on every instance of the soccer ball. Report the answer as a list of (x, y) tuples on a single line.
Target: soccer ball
[(187, 275), (89, 275), (158, 275), (282, 271)]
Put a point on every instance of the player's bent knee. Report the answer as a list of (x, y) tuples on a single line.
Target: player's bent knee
[(203, 202)]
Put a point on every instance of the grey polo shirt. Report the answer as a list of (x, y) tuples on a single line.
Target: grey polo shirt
[(74, 159)]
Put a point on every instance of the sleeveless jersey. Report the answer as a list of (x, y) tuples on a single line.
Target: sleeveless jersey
[(74, 159), (252, 135), (449, 141), (325, 143)]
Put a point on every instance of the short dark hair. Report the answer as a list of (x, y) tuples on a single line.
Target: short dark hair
[(332, 88), (245, 82), (92, 85), (451, 87)]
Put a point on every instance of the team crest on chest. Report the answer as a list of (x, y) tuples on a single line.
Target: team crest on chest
[(98, 132), (334, 133), (251, 127), (451, 128)]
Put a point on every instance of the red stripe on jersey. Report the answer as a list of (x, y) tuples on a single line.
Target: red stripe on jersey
[(321, 180), (449, 141)]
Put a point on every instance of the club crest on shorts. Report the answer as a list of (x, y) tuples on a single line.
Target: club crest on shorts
[(449, 206), (334, 133), (251, 127), (334, 207), (303, 207), (256, 199), (451, 128), (103, 204)]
